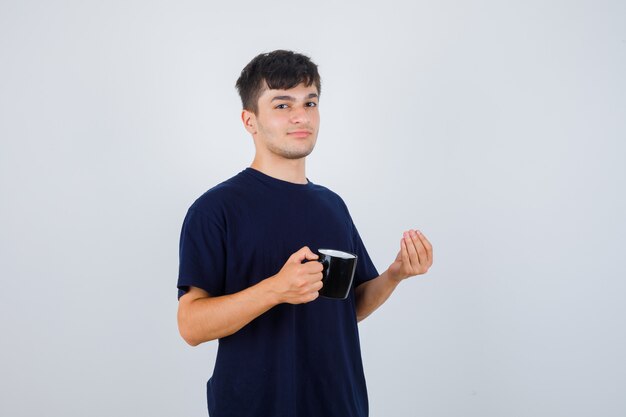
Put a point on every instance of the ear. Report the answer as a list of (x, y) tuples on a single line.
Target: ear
[(249, 121)]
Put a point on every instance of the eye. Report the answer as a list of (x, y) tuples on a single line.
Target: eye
[(281, 106), (311, 104)]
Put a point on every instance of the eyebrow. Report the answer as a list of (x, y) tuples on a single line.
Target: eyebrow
[(290, 98)]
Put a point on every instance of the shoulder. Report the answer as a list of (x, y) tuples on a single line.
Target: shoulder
[(327, 192), (220, 197), (330, 195)]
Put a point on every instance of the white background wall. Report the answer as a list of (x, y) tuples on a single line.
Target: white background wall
[(497, 128)]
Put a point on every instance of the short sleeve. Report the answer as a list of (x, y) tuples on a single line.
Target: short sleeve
[(202, 253), (365, 269)]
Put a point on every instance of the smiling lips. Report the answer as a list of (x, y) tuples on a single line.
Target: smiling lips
[(300, 133)]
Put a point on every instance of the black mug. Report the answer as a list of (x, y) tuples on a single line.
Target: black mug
[(338, 272)]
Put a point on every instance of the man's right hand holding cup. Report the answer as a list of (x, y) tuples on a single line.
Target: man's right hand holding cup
[(298, 282)]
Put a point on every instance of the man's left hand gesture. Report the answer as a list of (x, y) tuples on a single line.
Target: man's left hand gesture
[(414, 258)]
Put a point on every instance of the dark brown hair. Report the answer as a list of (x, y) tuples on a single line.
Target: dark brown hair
[(280, 70)]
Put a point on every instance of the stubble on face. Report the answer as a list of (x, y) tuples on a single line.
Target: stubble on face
[(273, 126), (291, 151)]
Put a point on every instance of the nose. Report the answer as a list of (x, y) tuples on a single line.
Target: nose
[(299, 115)]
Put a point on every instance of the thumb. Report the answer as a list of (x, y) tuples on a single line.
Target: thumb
[(304, 254)]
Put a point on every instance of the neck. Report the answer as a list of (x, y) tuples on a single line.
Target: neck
[(290, 170)]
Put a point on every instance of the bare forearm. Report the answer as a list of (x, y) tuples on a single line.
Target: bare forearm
[(212, 318), (202, 318), (372, 294)]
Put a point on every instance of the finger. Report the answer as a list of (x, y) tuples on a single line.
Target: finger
[(405, 253), (313, 268), (312, 296), (310, 255), (413, 256), (428, 246), (317, 286), (419, 246), (304, 254)]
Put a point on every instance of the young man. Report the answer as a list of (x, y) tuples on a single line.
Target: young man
[(282, 350)]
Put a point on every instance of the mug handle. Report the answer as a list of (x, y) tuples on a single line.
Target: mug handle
[(323, 260)]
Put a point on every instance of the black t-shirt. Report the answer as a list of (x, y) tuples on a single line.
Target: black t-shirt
[(293, 360)]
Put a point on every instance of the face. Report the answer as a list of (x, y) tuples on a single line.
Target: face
[(286, 123)]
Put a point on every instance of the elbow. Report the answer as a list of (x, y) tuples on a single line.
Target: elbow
[(192, 329), (189, 339), (361, 317), (192, 342), (187, 335), (191, 334), (185, 329)]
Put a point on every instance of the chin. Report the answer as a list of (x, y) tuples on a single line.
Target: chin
[(294, 152), (297, 153)]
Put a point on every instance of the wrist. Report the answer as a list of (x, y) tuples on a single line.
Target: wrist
[(270, 291), (394, 278)]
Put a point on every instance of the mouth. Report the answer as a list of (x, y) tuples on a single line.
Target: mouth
[(300, 133)]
